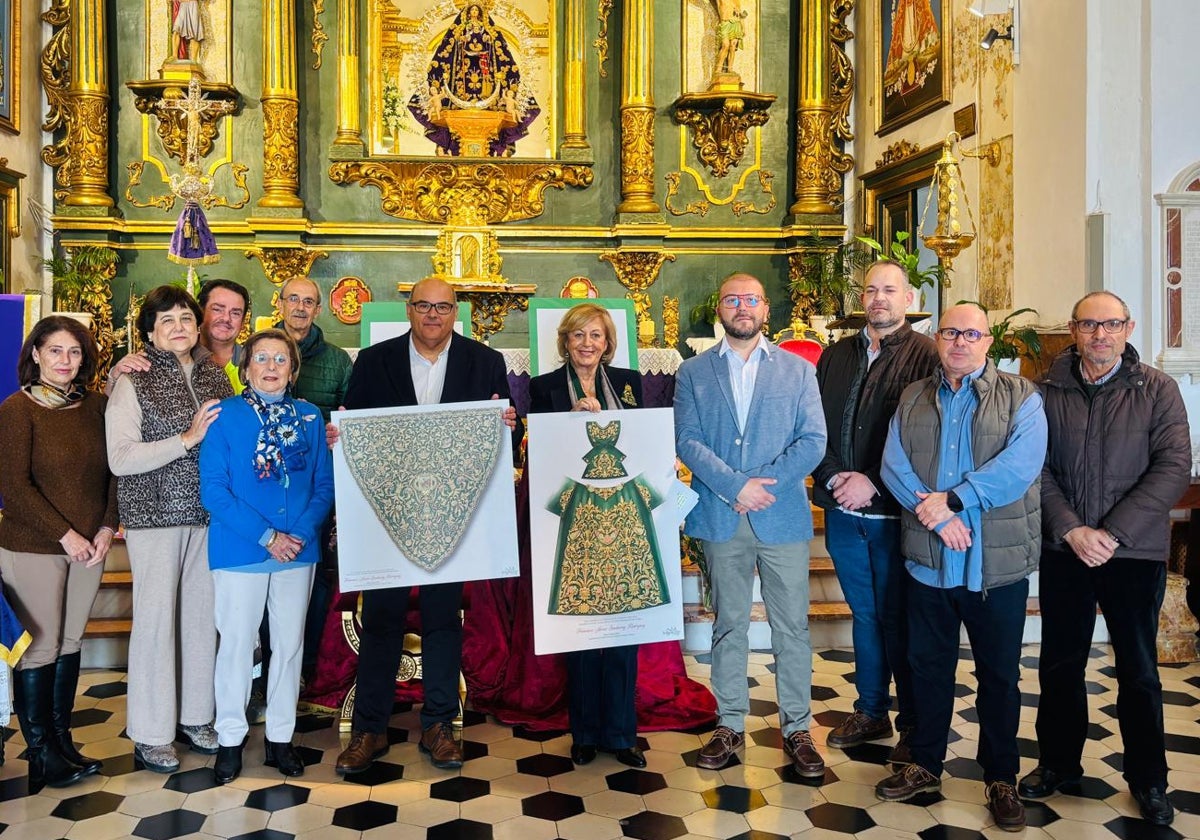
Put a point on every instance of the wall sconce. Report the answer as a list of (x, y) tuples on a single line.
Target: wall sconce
[(1011, 33)]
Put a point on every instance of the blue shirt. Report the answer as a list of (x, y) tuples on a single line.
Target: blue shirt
[(1001, 481)]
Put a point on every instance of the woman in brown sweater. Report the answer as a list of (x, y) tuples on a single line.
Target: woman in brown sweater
[(60, 510)]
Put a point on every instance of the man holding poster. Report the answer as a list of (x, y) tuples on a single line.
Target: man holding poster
[(429, 364), (749, 425)]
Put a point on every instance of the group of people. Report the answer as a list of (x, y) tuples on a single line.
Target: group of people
[(945, 482)]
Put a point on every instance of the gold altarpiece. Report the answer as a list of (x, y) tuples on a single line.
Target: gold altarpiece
[(311, 173)]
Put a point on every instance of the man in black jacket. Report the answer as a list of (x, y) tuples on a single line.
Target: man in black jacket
[(1119, 459), (861, 378), (430, 364)]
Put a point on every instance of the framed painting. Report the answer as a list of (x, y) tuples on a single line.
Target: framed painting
[(912, 60), (10, 65)]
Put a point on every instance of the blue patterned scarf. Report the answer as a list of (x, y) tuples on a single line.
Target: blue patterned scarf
[(281, 444)]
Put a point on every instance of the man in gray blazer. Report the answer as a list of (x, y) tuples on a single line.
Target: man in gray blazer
[(749, 425)]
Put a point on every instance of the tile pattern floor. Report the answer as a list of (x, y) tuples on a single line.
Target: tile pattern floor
[(522, 786)]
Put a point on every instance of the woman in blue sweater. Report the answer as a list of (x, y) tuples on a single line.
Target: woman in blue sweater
[(267, 482)]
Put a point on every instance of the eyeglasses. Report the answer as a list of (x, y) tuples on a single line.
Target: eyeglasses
[(261, 358), (306, 302), (751, 301), (951, 334), (423, 306), (1087, 326)]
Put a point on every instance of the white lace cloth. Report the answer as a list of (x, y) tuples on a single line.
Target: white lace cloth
[(651, 360)]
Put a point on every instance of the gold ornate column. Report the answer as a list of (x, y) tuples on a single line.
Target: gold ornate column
[(637, 109), (821, 107), (349, 132), (75, 73), (281, 107), (574, 130)]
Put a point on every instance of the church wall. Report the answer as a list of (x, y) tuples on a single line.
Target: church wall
[(23, 152)]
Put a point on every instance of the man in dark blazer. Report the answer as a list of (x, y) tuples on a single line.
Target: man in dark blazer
[(430, 364)]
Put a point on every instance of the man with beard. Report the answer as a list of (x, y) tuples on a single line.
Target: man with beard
[(224, 304), (861, 378), (1119, 459), (963, 458), (748, 424)]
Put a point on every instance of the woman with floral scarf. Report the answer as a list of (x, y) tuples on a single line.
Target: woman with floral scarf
[(267, 481)]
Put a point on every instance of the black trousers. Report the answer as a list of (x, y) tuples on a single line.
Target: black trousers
[(1130, 593), (384, 618), (994, 625), (600, 685)]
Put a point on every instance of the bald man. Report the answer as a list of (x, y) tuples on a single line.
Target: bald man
[(964, 458), (429, 364)]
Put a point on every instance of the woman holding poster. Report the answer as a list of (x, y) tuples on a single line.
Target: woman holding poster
[(600, 683)]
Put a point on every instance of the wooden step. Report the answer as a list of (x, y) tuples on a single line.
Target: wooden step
[(817, 611), (116, 579), (107, 628)]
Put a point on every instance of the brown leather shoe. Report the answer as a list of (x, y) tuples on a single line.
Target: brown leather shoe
[(858, 729), (799, 748), (444, 751), (904, 785), (901, 754), (720, 748), (361, 752), (1006, 807)]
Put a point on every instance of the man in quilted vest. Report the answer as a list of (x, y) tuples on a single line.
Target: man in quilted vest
[(963, 457)]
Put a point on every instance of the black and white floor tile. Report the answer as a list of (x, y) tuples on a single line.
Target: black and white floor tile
[(522, 786)]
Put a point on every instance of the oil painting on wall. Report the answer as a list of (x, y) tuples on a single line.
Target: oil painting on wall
[(912, 55), (456, 79)]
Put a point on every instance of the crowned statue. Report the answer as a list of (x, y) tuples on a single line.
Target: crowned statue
[(473, 103)]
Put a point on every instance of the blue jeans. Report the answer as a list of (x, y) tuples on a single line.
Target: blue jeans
[(866, 557)]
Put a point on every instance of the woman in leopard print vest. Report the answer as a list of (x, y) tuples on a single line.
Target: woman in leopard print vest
[(155, 422)]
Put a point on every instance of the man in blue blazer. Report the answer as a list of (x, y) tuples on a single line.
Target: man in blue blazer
[(430, 364), (749, 425)]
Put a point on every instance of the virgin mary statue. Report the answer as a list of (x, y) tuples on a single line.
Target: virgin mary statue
[(472, 69)]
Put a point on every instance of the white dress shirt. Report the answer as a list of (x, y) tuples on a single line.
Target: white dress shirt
[(742, 375), (428, 377)]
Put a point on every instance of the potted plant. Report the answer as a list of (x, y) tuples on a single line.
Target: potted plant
[(74, 275), (898, 251), (706, 312), (1011, 342), (828, 276)]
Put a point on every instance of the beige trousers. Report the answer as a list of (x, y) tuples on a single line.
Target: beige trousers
[(53, 598), (173, 645)]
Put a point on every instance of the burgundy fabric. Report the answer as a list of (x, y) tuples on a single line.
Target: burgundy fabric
[(504, 676)]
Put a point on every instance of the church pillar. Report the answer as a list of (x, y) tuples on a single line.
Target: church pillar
[(818, 184), (349, 132), (574, 130), (86, 160), (637, 110), (281, 107)]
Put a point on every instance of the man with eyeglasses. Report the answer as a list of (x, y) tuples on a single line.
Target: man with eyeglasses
[(1119, 459), (963, 458), (427, 365), (748, 424), (325, 368), (861, 378)]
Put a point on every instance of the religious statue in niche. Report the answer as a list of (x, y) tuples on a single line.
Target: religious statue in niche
[(473, 102), (730, 33), (187, 30)]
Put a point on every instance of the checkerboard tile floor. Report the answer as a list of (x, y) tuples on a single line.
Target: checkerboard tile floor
[(517, 785)]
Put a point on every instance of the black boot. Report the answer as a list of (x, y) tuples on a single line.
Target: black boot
[(33, 690), (66, 681)]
